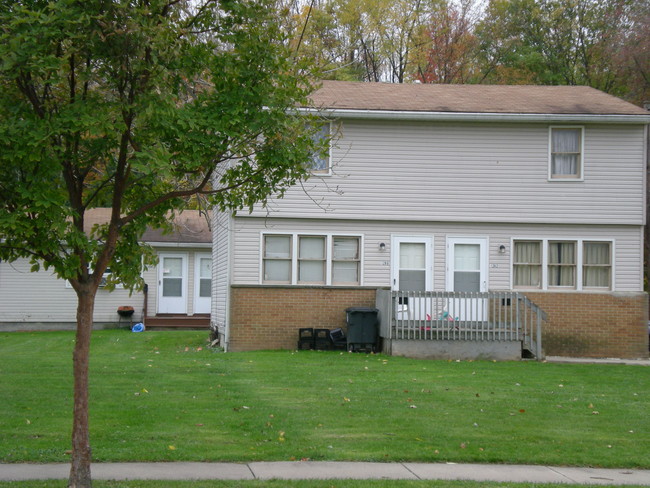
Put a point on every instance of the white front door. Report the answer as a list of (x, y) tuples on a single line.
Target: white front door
[(467, 273), (202, 282), (412, 271), (172, 283)]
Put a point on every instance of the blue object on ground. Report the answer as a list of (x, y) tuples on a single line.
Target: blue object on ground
[(139, 327)]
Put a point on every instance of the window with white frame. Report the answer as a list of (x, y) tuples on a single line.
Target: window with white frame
[(579, 264), (318, 260), (527, 264), (597, 265), (562, 264), (277, 258), (566, 154), (345, 260), (311, 259), (320, 162)]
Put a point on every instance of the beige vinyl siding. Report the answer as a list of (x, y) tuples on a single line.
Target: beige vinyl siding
[(42, 297), (376, 264), (222, 228), (471, 173)]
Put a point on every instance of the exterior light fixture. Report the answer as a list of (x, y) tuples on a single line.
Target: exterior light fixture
[(502, 249), (382, 246)]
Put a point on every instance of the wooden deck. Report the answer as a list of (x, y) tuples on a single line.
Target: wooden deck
[(171, 321)]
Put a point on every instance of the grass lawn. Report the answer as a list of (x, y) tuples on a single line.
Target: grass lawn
[(164, 396), (294, 484)]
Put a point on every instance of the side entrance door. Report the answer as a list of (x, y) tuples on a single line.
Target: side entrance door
[(202, 282), (412, 271), (467, 272), (172, 283)]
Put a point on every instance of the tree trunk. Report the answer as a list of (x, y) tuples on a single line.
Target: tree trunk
[(81, 456)]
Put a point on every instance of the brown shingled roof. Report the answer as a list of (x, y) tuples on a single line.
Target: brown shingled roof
[(499, 99), (190, 226)]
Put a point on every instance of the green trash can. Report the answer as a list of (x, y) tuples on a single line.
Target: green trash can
[(363, 325)]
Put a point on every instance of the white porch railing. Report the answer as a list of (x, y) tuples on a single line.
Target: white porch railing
[(467, 316)]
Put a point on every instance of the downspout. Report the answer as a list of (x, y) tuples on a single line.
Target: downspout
[(646, 231)]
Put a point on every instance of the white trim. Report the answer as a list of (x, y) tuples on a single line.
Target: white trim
[(197, 283), (579, 264), (477, 116), (568, 179), (484, 246), (428, 241), (159, 273), (187, 245), (294, 236)]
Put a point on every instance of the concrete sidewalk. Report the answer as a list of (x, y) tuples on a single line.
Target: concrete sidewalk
[(302, 470)]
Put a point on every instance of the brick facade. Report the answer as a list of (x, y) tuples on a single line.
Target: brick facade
[(579, 324), (268, 317), (594, 324)]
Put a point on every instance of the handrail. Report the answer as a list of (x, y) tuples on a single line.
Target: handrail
[(469, 316)]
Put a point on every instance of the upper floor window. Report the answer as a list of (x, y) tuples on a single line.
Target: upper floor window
[(566, 153), (320, 162)]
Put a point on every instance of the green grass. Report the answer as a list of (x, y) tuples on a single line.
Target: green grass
[(294, 484), (164, 396)]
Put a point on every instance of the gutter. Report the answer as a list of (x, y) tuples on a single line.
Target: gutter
[(475, 116)]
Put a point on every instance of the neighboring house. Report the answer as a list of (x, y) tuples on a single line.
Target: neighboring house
[(538, 190), (178, 289)]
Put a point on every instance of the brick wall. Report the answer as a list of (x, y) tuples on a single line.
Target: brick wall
[(594, 324), (268, 317), (579, 324)]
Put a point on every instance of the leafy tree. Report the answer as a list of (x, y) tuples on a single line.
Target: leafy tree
[(447, 48), (139, 104)]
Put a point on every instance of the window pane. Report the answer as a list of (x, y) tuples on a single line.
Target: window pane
[(312, 248), (597, 259), (562, 264), (561, 276), (205, 267), (311, 271), (345, 272), (205, 286), (565, 164), (411, 255), (320, 162), (527, 264), (173, 267), (467, 257), (561, 253), (346, 248), (172, 287), (279, 270), (412, 280), (467, 281), (566, 140), (596, 253), (277, 247)]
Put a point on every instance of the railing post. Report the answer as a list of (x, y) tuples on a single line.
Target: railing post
[(538, 341)]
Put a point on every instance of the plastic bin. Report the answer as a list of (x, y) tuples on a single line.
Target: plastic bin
[(363, 324)]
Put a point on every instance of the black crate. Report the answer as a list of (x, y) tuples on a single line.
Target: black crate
[(306, 338), (322, 340)]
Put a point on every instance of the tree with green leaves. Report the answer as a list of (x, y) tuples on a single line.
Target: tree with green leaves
[(138, 104)]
